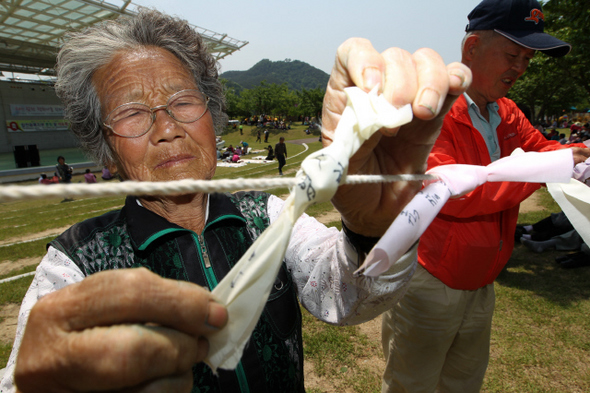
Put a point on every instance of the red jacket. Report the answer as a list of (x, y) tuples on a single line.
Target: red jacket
[(471, 239)]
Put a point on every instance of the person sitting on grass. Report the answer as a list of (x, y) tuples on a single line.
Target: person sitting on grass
[(106, 174), (271, 155), (89, 177)]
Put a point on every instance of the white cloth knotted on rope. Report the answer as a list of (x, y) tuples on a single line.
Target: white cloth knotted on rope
[(456, 180), (574, 199), (245, 289)]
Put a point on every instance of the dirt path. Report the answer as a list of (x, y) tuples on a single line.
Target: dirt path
[(329, 217), (531, 204), (9, 266), (9, 316), (34, 236)]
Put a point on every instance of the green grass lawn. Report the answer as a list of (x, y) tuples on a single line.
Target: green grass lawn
[(541, 328)]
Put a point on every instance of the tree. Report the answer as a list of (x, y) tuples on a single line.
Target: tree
[(546, 88), (231, 100), (569, 20), (311, 101), (551, 85)]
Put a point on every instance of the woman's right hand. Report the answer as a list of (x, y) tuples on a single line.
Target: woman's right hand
[(118, 330)]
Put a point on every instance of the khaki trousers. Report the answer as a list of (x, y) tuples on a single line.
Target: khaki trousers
[(437, 338)]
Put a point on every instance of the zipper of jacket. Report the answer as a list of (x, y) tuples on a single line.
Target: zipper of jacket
[(212, 283)]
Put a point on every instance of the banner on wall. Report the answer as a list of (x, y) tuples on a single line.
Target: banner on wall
[(36, 110), (36, 125)]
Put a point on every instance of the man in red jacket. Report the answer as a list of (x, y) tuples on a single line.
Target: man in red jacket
[(438, 335)]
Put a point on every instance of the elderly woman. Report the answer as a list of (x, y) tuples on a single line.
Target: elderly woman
[(142, 95)]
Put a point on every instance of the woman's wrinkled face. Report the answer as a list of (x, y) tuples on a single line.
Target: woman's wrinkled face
[(170, 150)]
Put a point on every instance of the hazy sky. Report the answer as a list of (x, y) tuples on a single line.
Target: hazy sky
[(311, 31)]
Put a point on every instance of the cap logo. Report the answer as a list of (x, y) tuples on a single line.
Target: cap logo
[(536, 16)]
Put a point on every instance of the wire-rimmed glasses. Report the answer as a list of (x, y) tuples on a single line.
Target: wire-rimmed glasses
[(133, 119)]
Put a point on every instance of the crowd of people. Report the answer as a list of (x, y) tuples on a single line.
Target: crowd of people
[(266, 121), (234, 154), (64, 173), (132, 287), (579, 133)]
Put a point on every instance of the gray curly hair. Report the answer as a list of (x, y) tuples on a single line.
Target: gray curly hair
[(86, 51)]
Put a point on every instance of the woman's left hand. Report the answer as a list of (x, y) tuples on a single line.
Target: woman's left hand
[(420, 79)]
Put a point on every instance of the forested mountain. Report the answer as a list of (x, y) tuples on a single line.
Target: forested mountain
[(297, 74)]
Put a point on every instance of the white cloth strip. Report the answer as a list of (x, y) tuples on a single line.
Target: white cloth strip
[(11, 193), (245, 290), (406, 229), (574, 200)]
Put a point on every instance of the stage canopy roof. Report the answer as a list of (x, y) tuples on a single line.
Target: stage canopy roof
[(31, 31)]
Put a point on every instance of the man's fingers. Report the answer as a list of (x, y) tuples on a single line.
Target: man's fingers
[(132, 296), (459, 81), (580, 154), (433, 84), (401, 79), (459, 78), (357, 64)]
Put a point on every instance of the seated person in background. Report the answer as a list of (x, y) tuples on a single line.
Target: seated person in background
[(575, 138), (556, 233), (575, 259), (552, 132), (89, 177), (238, 151), (271, 154), (575, 127), (562, 139), (229, 152), (106, 174), (44, 180), (555, 224), (121, 302)]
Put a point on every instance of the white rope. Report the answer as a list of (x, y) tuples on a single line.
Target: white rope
[(12, 193)]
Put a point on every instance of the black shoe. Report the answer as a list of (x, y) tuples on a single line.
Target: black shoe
[(578, 259), (563, 258), (518, 233)]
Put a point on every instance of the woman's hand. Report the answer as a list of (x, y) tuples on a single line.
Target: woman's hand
[(119, 330), (420, 79)]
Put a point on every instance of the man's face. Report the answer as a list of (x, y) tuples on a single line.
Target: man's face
[(496, 64)]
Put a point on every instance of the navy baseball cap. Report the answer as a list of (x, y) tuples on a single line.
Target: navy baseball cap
[(521, 21)]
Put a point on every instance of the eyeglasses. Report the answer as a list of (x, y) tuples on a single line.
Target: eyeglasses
[(133, 119)]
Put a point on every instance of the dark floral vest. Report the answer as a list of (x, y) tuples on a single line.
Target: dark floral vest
[(137, 237)]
